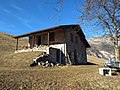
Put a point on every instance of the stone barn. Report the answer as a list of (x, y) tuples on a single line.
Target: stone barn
[(65, 44)]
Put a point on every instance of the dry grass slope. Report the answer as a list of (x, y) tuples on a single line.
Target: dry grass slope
[(15, 73), (58, 78), (18, 60), (7, 42), (95, 60)]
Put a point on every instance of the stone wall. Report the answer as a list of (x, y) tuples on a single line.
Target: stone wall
[(75, 48)]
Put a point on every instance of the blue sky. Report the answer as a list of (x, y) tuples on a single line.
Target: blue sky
[(23, 16)]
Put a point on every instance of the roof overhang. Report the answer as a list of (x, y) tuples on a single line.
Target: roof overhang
[(46, 30)]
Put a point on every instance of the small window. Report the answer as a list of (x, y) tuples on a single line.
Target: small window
[(76, 39), (71, 37), (52, 36)]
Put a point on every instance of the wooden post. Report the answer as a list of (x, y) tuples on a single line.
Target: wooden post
[(65, 47), (17, 44), (48, 38), (33, 40), (65, 42)]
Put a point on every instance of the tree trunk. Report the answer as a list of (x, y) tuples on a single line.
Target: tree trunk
[(117, 53)]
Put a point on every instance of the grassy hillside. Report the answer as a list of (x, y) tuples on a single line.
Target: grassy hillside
[(8, 43), (14, 60), (18, 60), (58, 78), (15, 73), (95, 60)]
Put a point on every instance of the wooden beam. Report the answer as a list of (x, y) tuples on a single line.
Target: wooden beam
[(34, 41), (17, 44)]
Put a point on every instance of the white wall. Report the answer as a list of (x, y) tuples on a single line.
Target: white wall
[(62, 47)]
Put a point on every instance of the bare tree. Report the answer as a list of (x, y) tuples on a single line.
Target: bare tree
[(105, 14)]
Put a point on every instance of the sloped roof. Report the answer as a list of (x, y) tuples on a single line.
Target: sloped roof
[(74, 26), (45, 30)]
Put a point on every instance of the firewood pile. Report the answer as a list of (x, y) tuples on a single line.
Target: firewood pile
[(43, 60)]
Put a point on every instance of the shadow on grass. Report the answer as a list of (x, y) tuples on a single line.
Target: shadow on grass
[(114, 74), (118, 70), (88, 63)]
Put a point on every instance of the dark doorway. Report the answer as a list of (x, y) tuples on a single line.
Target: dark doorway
[(39, 40), (58, 56), (75, 57), (52, 36)]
